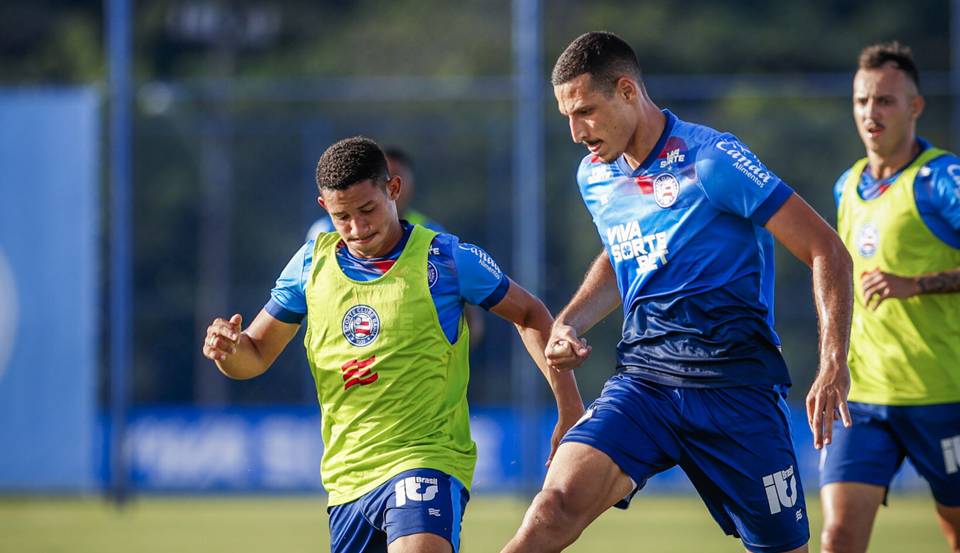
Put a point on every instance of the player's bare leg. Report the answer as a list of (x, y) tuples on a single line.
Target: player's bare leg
[(582, 482), (420, 543), (849, 509), (949, 519)]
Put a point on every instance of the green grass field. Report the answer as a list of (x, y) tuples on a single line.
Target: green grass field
[(235, 525)]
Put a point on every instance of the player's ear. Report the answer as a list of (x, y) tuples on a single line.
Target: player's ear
[(393, 187), (627, 88), (321, 203), (917, 103)]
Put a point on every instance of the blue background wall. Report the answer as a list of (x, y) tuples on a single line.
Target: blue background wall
[(49, 189)]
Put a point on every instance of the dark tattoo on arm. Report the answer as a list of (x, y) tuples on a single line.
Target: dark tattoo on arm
[(940, 283)]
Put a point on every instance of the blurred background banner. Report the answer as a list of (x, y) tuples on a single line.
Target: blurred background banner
[(277, 449), (49, 287)]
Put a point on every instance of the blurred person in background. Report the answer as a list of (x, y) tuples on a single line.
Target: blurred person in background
[(387, 345), (686, 215), (899, 216)]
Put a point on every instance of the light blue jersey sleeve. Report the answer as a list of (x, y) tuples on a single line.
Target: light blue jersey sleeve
[(838, 187), (288, 299), (481, 280), (460, 273), (734, 180), (938, 198)]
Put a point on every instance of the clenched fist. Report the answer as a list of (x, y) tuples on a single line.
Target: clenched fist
[(222, 338)]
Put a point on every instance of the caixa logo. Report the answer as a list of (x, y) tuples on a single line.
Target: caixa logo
[(781, 488), (361, 325), (8, 312)]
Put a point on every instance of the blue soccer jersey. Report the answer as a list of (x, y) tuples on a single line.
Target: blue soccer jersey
[(457, 273), (684, 232)]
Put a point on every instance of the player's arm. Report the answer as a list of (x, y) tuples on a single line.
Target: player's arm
[(944, 282), (879, 286), (808, 237), (596, 298), (533, 323), (243, 354)]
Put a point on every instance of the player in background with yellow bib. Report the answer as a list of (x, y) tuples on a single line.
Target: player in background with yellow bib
[(388, 348), (899, 215)]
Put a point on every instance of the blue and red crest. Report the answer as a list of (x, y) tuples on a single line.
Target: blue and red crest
[(868, 239), (361, 325)]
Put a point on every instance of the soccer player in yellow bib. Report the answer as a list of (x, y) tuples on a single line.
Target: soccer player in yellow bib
[(388, 347), (899, 215)]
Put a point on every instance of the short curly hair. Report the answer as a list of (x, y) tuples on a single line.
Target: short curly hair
[(877, 55), (350, 161), (604, 56)]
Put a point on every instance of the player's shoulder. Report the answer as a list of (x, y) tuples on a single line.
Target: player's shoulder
[(947, 164), (711, 146), (595, 171), (842, 179), (698, 135), (939, 178), (443, 244), (589, 165), (469, 255)]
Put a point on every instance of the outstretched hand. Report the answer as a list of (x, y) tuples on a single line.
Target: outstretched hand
[(222, 338), (565, 350)]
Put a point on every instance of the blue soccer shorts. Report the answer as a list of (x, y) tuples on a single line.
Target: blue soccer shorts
[(733, 443), (412, 502), (872, 450)]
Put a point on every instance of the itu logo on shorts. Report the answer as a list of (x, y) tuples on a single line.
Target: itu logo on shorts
[(416, 488), (868, 239), (361, 325), (951, 454), (781, 488)]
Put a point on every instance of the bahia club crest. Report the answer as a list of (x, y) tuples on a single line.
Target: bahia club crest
[(361, 325), (868, 239), (666, 188)]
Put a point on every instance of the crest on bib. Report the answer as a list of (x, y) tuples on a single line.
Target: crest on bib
[(868, 238), (361, 325)]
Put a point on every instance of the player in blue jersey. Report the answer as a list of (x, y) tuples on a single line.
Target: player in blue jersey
[(686, 215), (899, 214), (398, 164), (383, 301)]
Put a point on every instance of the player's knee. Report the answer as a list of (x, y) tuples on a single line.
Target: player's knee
[(552, 516), (840, 538)]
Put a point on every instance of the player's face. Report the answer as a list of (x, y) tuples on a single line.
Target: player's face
[(365, 216), (604, 123), (886, 106)]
